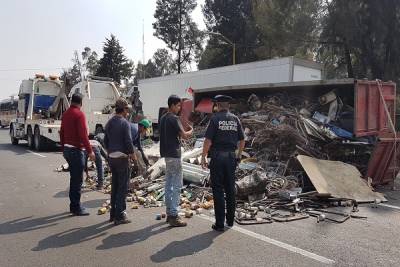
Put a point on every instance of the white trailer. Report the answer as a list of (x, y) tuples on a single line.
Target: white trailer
[(154, 92), (99, 96), (41, 102)]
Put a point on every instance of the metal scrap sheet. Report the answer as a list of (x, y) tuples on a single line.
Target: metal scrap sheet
[(338, 179)]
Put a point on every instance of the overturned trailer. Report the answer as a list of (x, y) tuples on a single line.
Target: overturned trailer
[(369, 114), (154, 92)]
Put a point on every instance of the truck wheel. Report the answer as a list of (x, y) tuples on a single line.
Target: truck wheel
[(31, 143), (14, 140), (39, 141)]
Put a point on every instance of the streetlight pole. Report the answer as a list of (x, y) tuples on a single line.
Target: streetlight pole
[(234, 53), (229, 42)]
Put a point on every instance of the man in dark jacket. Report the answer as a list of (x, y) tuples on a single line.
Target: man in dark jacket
[(118, 142), (74, 140)]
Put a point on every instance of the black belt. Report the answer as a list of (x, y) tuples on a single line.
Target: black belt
[(222, 153)]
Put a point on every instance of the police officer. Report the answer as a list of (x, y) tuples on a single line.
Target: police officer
[(223, 134)]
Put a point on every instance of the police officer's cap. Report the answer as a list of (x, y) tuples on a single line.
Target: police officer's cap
[(222, 98)]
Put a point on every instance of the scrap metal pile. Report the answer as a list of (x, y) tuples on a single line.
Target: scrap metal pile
[(274, 183), (279, 127), (271, 183)]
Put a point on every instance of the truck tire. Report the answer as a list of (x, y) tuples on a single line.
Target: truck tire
[(14, 140), (39, 141), (31, 143)]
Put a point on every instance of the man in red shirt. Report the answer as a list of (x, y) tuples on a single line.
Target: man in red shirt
[(74, 141)]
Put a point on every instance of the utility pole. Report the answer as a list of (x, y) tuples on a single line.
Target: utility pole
[(143, 63), (234, 53), (180, 43)]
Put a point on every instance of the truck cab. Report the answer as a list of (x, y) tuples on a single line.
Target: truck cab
[(41, 103), (99, 96)]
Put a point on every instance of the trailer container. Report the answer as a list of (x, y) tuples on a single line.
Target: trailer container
[(373, 104), (154, 92)]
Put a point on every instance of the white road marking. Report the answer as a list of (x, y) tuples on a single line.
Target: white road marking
[(37, 154), (390, 206), (277, 243)]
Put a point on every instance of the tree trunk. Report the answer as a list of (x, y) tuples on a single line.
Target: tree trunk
[(180, 38), (350, 72)]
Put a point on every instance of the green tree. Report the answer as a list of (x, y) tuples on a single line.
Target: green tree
[(164, 62), (361, 39), (114, 63), (146, 71), (176, 28), (287, 27), (72, 75), (90, 60), (161, 64), (233, 19)]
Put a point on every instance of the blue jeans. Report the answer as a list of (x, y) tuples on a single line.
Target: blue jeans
[(173, 185), (99, 164), (119, 186), (76, 161)]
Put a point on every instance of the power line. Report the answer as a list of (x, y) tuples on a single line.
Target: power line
[(34, 69)]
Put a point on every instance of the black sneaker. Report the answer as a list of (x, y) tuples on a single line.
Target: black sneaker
[(81, 212), (122, 221), (99, 187), (217, 228), (112, 216), (73, 210)]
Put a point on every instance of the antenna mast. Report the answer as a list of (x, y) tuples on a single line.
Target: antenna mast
[(143, 62)]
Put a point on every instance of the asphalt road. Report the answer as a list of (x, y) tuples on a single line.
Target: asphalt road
[(37, 230)]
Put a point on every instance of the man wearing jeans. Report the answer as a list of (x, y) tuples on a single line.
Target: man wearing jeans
[(171, 131), (74, 139), (118, 142), (99, 152)]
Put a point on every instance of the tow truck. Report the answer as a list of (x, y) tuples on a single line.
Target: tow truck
[(41, 103), (99, 96)]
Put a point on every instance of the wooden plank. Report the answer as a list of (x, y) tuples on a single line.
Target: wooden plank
[(338, 179)]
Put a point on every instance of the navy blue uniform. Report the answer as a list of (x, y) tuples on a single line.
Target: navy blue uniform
[(224, 131)]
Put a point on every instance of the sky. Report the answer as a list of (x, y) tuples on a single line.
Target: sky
[(40, 36)]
